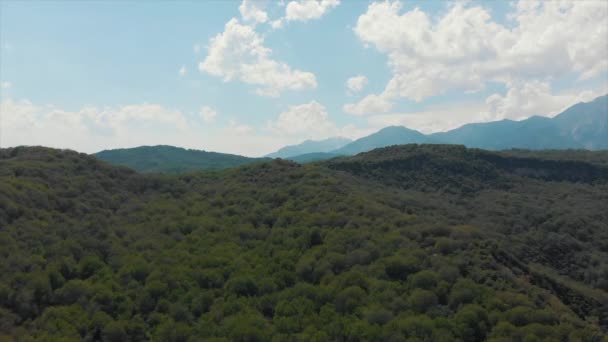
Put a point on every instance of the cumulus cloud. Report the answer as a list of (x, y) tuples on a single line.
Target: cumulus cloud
[(356, 83), (91, 129), (311, 121), (239, 53), (309, 118), (370, 104), (252, 10), (182, 71), (304, 10), (25, 123), (521, 101), (5, 85), (525, 99), (208, 114), (464, 48)]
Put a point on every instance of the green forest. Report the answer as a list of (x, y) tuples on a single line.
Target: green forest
[(404, 243), (171, 159)]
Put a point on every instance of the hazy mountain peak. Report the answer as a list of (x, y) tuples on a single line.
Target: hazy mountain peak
[(391, 135), (310, 146)]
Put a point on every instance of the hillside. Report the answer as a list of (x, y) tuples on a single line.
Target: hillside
[(310, 146), (427, 242), (533, 133), (584, 125), (170, 159)]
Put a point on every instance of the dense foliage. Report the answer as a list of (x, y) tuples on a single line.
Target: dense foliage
[(170, 159), (431, 243), (311, 157)]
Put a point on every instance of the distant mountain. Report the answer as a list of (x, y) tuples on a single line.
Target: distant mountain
[(533, 133), (310, 146), (586, 124), (393, 135), (582, 126), (170, 159)]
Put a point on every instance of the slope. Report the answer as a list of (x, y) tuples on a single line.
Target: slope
[(393, 135), (310, 146), (586, 124), (170, 159)]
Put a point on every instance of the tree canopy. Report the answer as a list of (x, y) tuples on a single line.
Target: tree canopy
[(416, 242)]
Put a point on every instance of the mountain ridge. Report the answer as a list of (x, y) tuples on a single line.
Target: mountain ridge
[(171, 159), (310, 146), (581, 126)]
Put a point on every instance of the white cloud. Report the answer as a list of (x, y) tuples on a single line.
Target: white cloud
[(17, 115), (87, 129), (239, 53), (238, 128), (305, 119), (520, 102), (311, 121), (464, 49), (182, 70), (91, 129), (208, 114), (196, 48), (5, 85), (304, 10), (277, 24), (251, 11), (523, 100), (370, 104), (356, 83)]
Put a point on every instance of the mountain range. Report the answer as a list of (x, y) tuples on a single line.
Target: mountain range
[(310, 146), (582, 126)]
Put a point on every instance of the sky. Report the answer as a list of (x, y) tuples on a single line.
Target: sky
[(249, 77)]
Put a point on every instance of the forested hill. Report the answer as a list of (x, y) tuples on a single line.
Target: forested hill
[(427, 242), (170, 159)]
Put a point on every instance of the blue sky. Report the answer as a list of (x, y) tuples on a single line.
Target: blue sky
[(94, 75)]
